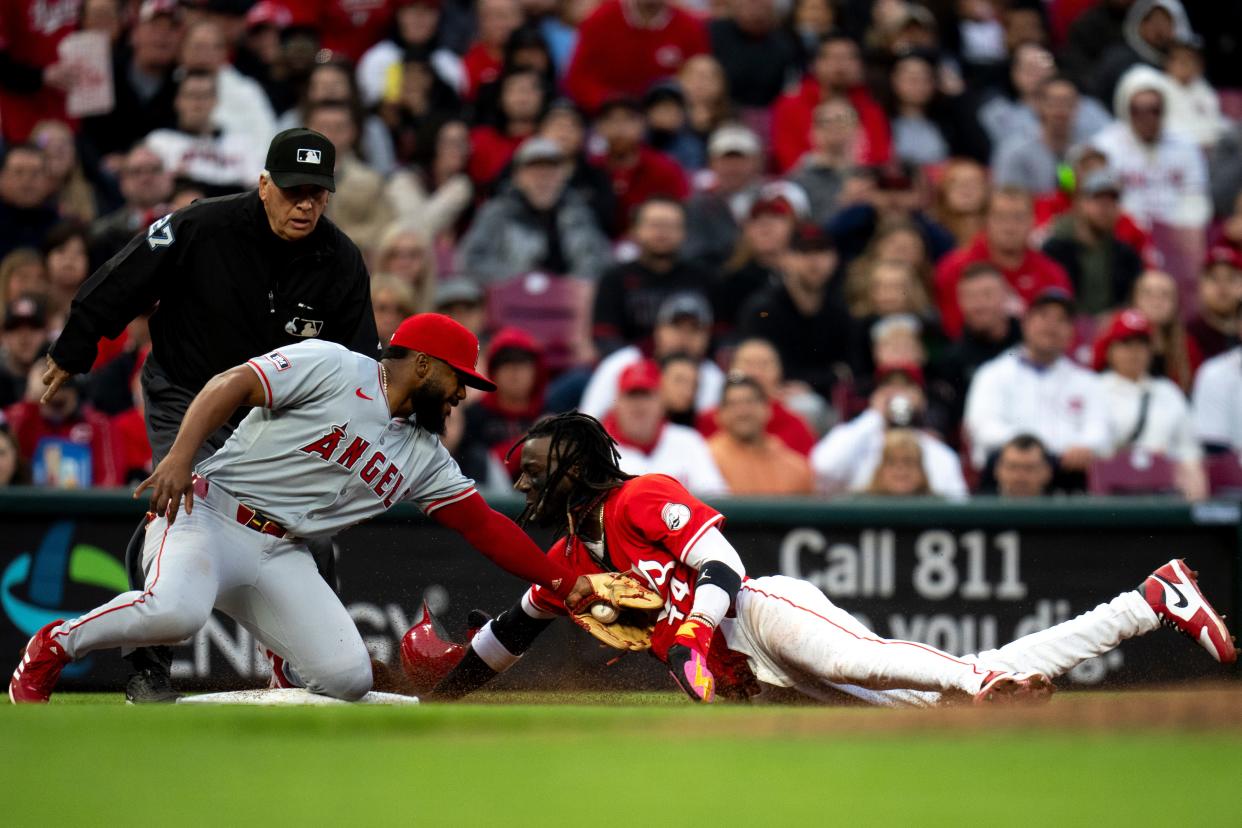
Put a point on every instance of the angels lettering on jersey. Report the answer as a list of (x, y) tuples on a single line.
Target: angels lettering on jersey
[(340, 447)]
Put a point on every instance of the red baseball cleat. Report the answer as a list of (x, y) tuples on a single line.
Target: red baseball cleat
[(1173, 593), (279, 679), (40, 667), (1005, 687)]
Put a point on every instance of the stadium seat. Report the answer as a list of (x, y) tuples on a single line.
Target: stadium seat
[(555, 310), (1224, 474), (1131, 471)]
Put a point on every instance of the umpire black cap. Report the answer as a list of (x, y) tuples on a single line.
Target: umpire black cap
[(302, 156)]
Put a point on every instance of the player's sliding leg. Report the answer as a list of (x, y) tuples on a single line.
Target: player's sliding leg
[(807, 637), (293, 612)]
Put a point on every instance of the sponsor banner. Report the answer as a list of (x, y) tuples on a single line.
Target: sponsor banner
[(959, 585)]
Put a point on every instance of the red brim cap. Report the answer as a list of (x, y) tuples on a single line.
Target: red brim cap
[(641, 376), (446, 339)]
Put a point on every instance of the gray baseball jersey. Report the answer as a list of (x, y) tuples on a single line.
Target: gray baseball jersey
[(324, 453)]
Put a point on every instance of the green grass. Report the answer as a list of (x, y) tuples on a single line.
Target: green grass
[(644, 759)]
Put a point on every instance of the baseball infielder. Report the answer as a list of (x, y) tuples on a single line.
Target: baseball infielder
[(720, 631), (334, 438)]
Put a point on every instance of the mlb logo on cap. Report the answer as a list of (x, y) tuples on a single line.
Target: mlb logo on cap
[(302, 156), (308, 156)]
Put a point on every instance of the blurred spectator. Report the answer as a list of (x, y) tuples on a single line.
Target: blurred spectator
[(1032, 162), (535, 224), (405, 253), (331, 82), (715, 213), (360, 206), (625, 46), (876, 288), (757, 55), (1003, 243), (346, 27), (1023, 468), (23, 339), (515, 363), (988, 330), (766, 236), (520, 104), (1101, 267), (560, 29), (241, 106), (708, 106), (393, 300), (260, 54), (900, 471), (1217, 399), (1036, 389), (1090, 36), (1145, 412), (195, 148), (836, 71), (1164, 174), (849, 457), (74, 195), (12, 472), (961, 199), (34, 80), (1014, 113), (22, 272), (66, 443), (683, 325), (752, 461), (821, 172), (24, 190), (1151, 27), (928, 125), (756, 359), (810, 20), (436, 195), (565, 124), (668, 127), (647, 443), (1220, 296), (1174, 354), (463, 300), (679, 385), (415, 105), (637, 171), (142, 81), (629, 294), (146, 187), (416, 25), (874, 197), (801, 315), (497, 19), (525, 51), (68, 264), (1191, 101)]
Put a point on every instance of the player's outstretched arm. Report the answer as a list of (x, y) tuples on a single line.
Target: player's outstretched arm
[(172, 482), (495, 648)]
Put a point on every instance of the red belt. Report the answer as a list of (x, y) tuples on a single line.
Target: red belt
[(246, 516)]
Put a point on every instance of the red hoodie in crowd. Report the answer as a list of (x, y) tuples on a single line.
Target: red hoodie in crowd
[(492, 423), (791, 125)]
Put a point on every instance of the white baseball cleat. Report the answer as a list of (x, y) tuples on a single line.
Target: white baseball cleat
[(1173, 592), (1007, 687)]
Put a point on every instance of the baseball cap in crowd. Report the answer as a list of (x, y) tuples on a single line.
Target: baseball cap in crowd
[(733, 139), (302, 156), (1129, 324), (662, 92), (151, 9), (24, 311), (538, 151), (619, 102), (267, 13), (447, 340), (641, 377), (681, 306), (909, 370), (459, 290), (809, 238), (1053, 296), (1101, 181), (1225, 254)]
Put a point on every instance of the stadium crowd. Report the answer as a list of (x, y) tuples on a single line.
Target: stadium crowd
[(821, 247)]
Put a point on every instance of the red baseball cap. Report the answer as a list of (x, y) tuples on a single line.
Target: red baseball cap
[(1129, 324), (909, 370), (436, 335), (1223, 254), (641, 376), (267, 13)]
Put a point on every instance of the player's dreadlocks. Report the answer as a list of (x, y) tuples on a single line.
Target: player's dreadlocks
[(578, 442)]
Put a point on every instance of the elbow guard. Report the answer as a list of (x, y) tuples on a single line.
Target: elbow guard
[(722, 576)]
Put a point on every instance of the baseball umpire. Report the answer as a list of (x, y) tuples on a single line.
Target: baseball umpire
[(224, 279)]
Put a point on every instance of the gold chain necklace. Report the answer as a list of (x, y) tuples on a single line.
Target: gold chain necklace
[(384, 377)]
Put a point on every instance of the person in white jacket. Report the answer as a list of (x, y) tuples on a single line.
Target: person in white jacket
[(242, 107), (1036, 389), (1144, 412), (1217, 400), (1164, 172), (847, 457)]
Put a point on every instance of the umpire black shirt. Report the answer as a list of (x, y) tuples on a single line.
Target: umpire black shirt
[(225, 288)]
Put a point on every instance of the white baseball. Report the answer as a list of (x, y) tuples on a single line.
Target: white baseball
[(604, 613)]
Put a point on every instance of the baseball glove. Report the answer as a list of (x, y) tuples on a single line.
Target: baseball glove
[(637, 607)]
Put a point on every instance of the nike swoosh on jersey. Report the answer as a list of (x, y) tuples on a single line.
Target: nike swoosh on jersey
[(358, 391)]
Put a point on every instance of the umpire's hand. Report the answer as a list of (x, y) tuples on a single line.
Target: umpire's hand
[(170, 483), (54, 377)]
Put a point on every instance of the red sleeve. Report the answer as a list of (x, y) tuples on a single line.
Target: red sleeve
[(946, 295), (504, 543), (661, 512), (790, 130), (582, 78), (875, 124)]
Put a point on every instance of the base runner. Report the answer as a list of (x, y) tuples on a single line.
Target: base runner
[(334, 439), (723, 633)]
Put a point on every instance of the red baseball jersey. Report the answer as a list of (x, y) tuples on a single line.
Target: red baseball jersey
[(650, 525)]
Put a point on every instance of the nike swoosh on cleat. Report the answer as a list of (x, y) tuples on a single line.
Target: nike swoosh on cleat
[(1182, 603), (358, 391)]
